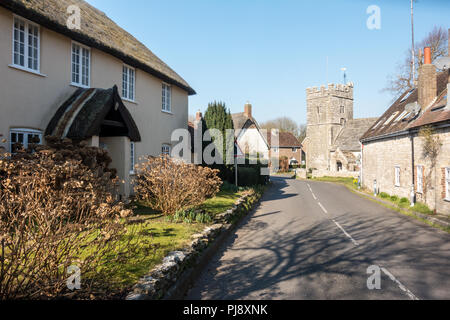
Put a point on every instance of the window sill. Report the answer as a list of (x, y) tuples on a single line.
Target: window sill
[(397, 186), (76, 85), (130, 101), (168, 112), (447, 199), (13, 66)]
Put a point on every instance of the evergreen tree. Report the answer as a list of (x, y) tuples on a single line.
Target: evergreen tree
[(218, 117)]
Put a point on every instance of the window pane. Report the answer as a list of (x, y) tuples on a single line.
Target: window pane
[(125, 82), (131, 85), (85, 67), (75, 63)]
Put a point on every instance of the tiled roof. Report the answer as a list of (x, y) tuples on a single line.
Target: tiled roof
[(97, 30), (396, 119), (286, 140)]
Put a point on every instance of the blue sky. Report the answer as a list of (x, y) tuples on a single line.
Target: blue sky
[(269, 51)]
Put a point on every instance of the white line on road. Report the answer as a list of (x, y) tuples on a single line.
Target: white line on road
[(346, 233), (400, 285), (323, 208)]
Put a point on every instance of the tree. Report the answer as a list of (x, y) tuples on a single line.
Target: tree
[(218, 117), (403, 79), (286, 124)]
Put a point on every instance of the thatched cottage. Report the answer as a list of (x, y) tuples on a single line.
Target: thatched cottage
[(396, 154), (96, 83)]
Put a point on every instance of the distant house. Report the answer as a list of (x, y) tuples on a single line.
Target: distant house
[(250, 137), (97, 84), (287, 146), (393, 156)]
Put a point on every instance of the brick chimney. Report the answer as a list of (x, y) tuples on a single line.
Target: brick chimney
[(248, 110), (427, 81)]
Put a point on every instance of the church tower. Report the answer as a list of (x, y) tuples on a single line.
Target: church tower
[(328, 110)]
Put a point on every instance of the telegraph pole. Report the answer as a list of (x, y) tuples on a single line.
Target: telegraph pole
[(413, 62)]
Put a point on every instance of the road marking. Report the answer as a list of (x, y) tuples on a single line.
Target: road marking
[(390, 275), (399, 284), (323, 208), (346, 233)]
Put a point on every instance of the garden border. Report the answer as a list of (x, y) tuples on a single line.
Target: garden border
[(171, 279)]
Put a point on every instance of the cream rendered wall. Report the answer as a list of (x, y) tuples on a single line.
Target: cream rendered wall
[(250, 141), (29, 100)]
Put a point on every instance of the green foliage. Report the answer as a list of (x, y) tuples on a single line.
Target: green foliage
[(384, 195), (191, 216), (422, 208), (229, 187), (394, 198), (218, 117)]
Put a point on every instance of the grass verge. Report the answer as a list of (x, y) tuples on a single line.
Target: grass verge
[(401, 205)]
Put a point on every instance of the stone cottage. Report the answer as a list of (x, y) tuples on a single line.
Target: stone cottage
[(395, 160)]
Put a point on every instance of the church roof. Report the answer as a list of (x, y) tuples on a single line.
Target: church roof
[(348, 138)]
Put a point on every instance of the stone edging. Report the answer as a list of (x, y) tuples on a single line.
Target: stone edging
[(416, 214), (171, 279)]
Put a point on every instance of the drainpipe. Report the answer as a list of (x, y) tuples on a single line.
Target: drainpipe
[(362, 164), (413, 182)]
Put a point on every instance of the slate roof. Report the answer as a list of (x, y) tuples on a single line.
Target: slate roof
[(396, 119), (89, 112), (98, 31), (348, 138), (437, 113)]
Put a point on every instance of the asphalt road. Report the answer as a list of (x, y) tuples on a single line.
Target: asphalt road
[(314, 240)]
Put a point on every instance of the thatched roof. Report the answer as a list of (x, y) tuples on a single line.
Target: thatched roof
[(97, 31), (241, 122), (93, 112)]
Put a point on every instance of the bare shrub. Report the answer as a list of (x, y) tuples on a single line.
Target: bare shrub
[(56, 210), (284, 164), (169, 185)]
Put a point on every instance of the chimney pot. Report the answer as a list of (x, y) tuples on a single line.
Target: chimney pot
[(427, 53)]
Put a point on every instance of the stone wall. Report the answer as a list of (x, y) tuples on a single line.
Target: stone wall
[(381, 157), (340, 174), (328, 109), (169, 279)]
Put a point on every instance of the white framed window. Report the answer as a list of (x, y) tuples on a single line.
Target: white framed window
[(23, 137), (397, 176), (447, 184), (26, 44), (420, 179), (128, 83), (132, 157), (166, 98), (165, 151), (81, 65)]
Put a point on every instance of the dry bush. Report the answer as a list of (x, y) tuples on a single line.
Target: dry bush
[(56, 210), (168, 185)]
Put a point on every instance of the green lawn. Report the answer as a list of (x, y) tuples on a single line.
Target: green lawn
[(223, 201), (349, 182), (158, 236)]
